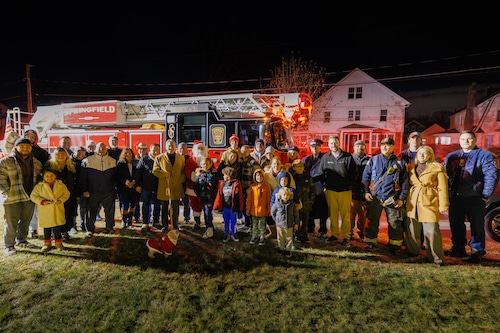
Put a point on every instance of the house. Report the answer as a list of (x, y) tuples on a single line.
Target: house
[(357, 107), (482, 117), (413, 126)]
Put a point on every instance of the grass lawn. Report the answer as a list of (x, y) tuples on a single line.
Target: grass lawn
[(108, 284)]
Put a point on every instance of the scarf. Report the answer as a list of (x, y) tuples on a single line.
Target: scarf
[(26, 170), (420, 168)]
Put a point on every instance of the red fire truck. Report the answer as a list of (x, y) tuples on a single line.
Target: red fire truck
[(211, 119)]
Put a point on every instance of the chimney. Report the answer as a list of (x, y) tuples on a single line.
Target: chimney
[(487, 91), (469, 112)]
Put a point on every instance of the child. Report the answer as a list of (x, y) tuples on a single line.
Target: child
[(258, 206), (285, 214), (50, 195), (306, 193), (284, 180), (205, 187), (229, 200)]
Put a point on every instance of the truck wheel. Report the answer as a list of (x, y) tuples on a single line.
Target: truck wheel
[(492, 224)]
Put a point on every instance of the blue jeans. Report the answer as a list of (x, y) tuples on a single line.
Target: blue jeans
[(229, 221), (149, 198)]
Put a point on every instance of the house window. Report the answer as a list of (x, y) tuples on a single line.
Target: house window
[(359, 92), (355, 93), (445, 140), (376, 138), (326, 117), (354, 115), (383, 115)]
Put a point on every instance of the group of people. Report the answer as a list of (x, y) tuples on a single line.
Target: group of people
[(276, 199)]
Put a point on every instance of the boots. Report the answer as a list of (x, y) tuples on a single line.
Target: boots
[(47, 245), (197, 220), (129, 219), (272, 231), (209, 233), (59, 244), (124, 220)]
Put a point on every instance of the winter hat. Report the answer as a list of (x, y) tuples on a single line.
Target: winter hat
[(270, 150), (234, 138)]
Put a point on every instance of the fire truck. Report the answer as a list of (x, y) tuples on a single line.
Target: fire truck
[(210, 119)]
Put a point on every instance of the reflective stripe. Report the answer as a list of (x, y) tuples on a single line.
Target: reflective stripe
[(371, 240), (395, 242)]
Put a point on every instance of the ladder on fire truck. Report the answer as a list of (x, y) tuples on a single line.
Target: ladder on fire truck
[(257, 105), (292, 108)]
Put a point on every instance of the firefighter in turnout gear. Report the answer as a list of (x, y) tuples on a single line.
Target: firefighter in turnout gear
[(389, 177)]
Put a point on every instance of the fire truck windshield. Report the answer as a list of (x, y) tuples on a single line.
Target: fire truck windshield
[(280, 136)]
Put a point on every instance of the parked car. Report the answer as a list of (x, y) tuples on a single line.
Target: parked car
[(492, 215)]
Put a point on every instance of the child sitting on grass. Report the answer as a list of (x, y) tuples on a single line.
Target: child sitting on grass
[(49, 195), (285, 214)]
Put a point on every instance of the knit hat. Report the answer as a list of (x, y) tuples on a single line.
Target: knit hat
[(270, 150), (234, 137)]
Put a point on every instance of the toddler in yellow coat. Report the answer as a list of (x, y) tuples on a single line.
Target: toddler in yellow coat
[(49, 195)]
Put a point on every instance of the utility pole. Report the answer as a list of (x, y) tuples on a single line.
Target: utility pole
[(28, 91)]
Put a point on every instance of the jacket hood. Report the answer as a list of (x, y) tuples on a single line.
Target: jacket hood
[(34, 132), (256, 172), (283, 174)]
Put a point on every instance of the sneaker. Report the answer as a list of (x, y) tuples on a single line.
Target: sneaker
[(228, 237), (145, 227), (287, 253), (10, 250), (253, 240), (234, 238), (89, 234), (278, 250), (66, 236), (369, 246), (73, 231), (123, 225), (196, 227), (34, 234), (346, 242), (331, 239), (26, 245), (262, 240)]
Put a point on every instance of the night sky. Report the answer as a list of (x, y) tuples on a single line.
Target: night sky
[(83, 52)]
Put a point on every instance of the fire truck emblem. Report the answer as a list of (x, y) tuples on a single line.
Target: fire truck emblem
[(218, 135), (171, 131)]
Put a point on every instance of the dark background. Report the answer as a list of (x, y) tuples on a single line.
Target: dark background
[(82, 51)]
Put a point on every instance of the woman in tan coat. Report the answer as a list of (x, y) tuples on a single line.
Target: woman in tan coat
[(169, 168), (428, 196)]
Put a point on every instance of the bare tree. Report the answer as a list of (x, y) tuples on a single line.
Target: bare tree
[(296, 75)]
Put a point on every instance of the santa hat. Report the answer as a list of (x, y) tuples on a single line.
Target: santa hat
[(234, 138)]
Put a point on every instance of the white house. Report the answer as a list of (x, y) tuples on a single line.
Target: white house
[(357, 107)]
